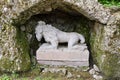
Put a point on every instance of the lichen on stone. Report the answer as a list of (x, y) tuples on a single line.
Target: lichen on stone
[(105, 49)]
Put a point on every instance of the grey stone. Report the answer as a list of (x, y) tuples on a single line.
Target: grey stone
[(62, 71), (29, 36), (69, 75), (105, 39), (96, 68), (98, 77), (63, 56), (91, 9), (22, 28), (105, 45), (78, 76), (92, 71), (95, 73)]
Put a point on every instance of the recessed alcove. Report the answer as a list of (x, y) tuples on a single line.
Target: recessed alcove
[(61, 20)]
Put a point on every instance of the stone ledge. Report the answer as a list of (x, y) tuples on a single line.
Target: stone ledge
[(65, 63)]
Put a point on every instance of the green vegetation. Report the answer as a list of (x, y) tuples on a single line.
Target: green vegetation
[(37, 74), (16, 77), (110, 2)]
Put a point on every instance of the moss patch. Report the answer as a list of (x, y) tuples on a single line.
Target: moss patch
[(36, 74), (111, 65), (14, 57), (106, 61), (24, 49)]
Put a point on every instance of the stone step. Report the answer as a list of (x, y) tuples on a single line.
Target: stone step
[(64, 63)]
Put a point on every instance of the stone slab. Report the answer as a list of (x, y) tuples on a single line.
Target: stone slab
[(63, 56), (64, 63)]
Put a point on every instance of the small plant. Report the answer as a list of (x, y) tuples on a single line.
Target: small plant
[(38, 78), (5, 77), (110, 2), (14, 75)]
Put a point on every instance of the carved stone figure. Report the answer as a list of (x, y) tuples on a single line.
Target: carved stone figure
[(54, 36)]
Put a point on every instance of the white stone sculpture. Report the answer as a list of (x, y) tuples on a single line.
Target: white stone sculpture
[(54, 36)]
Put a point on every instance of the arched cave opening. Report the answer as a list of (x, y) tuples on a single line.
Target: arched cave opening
[(68, 22)]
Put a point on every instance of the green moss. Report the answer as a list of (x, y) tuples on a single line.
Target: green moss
[(110, 2), (6, 64), (16, 54), (107, 62), (22, 41), (24, 49), (111, 65)]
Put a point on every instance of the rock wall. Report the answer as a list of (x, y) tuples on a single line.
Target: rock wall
[(105, 44), (14, 48)]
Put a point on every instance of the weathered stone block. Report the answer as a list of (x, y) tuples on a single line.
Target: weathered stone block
[(64, 56)]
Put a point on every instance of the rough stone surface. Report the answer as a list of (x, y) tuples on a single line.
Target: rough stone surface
[(105, 44), (96, 68), (68, 72), (69, 75), (105, 39), (13, 50), (95, 72), (62, 71), (22, 10), (92, 71), (97, 77), (91, 9)]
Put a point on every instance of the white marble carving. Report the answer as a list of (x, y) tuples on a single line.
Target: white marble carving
[(50, 53), (63, 56), (54, 36)]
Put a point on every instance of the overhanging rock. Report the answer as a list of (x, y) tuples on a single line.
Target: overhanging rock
[(91, 9)]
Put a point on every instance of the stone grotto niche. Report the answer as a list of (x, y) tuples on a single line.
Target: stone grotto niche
[(62, 55)]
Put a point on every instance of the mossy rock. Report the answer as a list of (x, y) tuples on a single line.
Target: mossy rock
[(14, 53), (105, 55)]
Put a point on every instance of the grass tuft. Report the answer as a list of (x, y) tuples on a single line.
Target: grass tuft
[(110, 2)]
